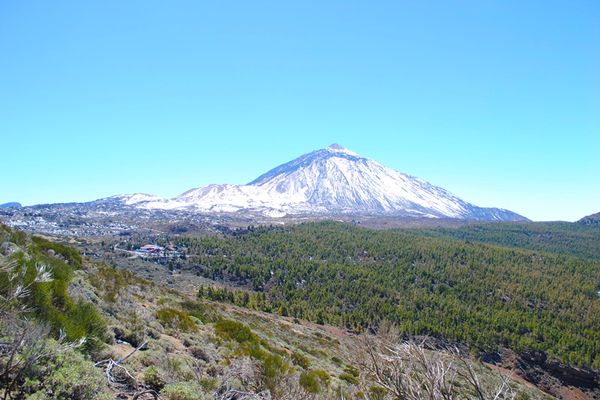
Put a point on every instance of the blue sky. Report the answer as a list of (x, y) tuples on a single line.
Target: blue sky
[(497, 102)]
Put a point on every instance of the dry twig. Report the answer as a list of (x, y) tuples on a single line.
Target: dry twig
[(111, 364)]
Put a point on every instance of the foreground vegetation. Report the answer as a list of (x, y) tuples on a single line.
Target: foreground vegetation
[(481, 294), (107, 334), (45, 333)]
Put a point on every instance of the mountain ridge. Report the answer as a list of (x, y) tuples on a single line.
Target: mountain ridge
[(11, 204), (590, 220)]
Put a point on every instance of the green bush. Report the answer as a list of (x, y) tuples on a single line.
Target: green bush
[(110, 281), (70, 254), (65, 374), (272, 366), (13, 235), (349, 378), (377, 392), (83, 319), (209, 384), (233, 330), (272, 370), (322, 374), (249, 343), (523, 396), (201, 311), (154, 379), (182, 391), (33, 362), (309, 381), (175, 319), (337, 361), (300, 360), (51, 303)]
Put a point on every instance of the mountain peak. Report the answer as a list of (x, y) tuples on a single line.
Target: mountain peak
[(335, 146)]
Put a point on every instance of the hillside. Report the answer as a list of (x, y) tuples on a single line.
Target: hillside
[(153, 340), (590, 220), (578, 239), (354, 277)]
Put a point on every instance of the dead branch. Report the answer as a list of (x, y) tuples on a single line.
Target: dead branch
[(111, 364), (150, 391), (225, 392), (130, 354), (408, 371)]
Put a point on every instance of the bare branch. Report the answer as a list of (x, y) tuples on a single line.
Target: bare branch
[(408, 371), (130, 354)]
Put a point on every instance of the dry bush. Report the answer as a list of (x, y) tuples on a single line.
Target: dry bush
[(405, 370)]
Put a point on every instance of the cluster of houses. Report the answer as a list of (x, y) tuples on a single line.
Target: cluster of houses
[(152, 251)]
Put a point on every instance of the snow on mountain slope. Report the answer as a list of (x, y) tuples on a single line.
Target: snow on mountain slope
[(337, 178), (331, 180)]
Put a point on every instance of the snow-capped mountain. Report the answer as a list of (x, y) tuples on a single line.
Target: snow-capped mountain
[(328, 181)]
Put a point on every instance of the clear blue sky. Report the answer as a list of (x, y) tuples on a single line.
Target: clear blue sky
[(495, 101)]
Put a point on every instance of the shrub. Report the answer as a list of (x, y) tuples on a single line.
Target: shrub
[(48, 300), (309, 381), (14, 235), (237, 331), (523, 396), (209, 383), (272, 372), (182, 391), (172, 318), (349, 378), (337, 361), (154, 379), (65, 374), (300, 360), (322, 374), (199, 310), (377, 392), (272, 366), (71, 255), (110, 281), (82, 319), (199, 353)]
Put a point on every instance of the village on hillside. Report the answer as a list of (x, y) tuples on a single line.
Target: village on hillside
[(156, 251)]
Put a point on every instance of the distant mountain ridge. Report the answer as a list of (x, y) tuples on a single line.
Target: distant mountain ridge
[(11, 204), (327, 181), (591, 220)]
